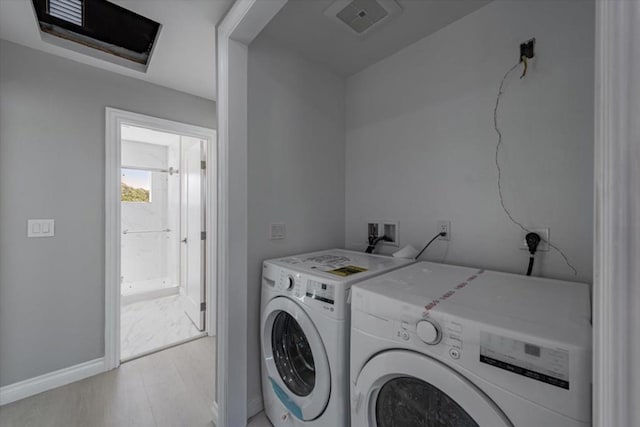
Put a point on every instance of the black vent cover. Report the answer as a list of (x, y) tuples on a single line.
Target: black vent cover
[(101, 25)]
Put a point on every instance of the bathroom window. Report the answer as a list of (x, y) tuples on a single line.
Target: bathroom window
[(135, 185)]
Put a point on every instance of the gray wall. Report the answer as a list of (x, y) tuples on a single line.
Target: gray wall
[(421, 144), (52, 166), (296, 168)]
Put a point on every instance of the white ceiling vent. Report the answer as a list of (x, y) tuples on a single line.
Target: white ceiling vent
[(362, 16)]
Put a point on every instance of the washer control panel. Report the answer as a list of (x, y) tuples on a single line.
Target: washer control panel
[(324, 292), (286, 281), (289, 282), (330, 297)]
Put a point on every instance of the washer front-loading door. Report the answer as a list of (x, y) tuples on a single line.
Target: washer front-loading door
[(402, 388), (295, 358)]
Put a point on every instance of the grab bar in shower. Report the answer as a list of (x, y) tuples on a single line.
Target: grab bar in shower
[(170, 171), (166, 230)]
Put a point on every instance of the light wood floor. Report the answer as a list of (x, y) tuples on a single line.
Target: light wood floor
[(174, 387)]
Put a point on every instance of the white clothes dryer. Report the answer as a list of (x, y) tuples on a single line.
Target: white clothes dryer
[(444, 346), (305, 320)]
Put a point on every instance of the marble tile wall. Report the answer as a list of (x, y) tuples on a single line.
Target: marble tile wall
[(150, 258)]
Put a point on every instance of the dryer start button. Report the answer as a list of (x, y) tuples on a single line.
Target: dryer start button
[(429, 332)]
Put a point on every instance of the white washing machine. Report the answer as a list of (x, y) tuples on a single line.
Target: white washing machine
[(438, 345), (305, 334)]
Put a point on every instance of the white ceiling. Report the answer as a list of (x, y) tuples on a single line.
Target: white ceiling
[(302, 27), (183, 59)]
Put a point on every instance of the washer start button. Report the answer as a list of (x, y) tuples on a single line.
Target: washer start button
[(454, 353)]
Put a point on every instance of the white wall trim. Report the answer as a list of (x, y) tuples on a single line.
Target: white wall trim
[(51, 380), (241, 25), (616, 343), (113, 119), (112, 239)]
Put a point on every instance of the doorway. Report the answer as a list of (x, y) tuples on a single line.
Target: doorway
[(161, 251)]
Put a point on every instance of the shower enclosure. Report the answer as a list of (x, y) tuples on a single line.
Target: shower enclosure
[(162, 226), (150, 216)]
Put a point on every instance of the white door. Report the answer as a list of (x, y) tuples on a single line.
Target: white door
[(403, 388), (295, 359), (192, 225)]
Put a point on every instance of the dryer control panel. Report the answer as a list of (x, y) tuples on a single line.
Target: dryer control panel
[(541, 363), (438, 333)]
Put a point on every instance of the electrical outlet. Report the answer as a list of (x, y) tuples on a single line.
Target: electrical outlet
[(543, 246), (527, 49), (444, 227)]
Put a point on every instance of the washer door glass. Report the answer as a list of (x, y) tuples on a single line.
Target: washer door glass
[(402, 388), (410, 402), (292, 355)]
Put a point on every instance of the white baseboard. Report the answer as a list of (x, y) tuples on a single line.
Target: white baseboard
[(254, 406), (32, 386)]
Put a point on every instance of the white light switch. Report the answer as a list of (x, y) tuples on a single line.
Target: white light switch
[(277, 231), (40, 228)]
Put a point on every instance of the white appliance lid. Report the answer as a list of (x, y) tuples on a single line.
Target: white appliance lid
[(559, 307), (340, 265)]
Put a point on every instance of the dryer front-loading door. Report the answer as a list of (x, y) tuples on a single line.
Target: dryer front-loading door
[(402, 388), (295, 358)]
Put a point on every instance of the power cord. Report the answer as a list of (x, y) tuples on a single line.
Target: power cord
[(499, 144), (442, 233), (373, 242), (533, 240)]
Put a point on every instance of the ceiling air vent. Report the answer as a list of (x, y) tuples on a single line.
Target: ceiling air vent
[(98, 28), (362, 16), (67, 10)]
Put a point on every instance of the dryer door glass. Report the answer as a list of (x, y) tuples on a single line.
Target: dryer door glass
[(410, 402), (292, 355)]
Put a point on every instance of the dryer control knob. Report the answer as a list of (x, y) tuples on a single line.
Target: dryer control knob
[(429, 332), (289, 282)]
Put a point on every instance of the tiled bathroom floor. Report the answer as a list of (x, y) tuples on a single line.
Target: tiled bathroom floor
[(150, 325)]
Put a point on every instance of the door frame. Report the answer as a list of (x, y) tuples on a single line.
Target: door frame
[(616, 286), (114, 118), (242, 23)]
